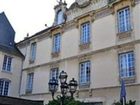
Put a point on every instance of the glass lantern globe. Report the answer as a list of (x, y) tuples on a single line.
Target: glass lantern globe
[(63, 77)]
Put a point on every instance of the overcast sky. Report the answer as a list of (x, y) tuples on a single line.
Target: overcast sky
[(29, 16)]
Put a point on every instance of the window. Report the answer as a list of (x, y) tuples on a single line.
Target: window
[(30, 78), (127, 64), (4, 87), (56, 43), (54, 73), (85, 33), (85, 73), (7, 63), (33, 52), (59, 17), (124, 23)]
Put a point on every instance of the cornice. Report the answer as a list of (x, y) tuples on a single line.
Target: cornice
[(84, 90), (116, 2), (95, 14), (90, 53)]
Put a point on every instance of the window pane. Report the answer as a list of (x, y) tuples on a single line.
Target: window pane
[(127, 64), (85, 72), (33, 51), (30, 81), (7, 63), (1, 87), (4, 62), (54, 73), (59, 17), (56, 43), (6, 88), (85, 33), (124, 20)]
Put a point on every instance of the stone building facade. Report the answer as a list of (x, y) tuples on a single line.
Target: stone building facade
[(95, 41)]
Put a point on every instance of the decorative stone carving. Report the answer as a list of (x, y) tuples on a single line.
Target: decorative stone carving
[(84, 58), (129, 80), (84, 46), (82, 2), (90, 93), (122, 49), (54, 65), (124, 35), (55, 54)]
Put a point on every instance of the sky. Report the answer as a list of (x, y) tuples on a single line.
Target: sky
[(29, 16)]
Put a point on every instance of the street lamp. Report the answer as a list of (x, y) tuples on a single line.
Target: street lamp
[(72, 86), (53, 86), (63, 77)]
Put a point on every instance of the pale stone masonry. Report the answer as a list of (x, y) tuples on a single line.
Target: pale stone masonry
[(95, 41)]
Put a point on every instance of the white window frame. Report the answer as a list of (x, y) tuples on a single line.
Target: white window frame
[(59, 17), (124, 24), (54, 73), (33, 51), (4, 87), (56, 43), (7, 66), (30, 79), (85, 33), (84, 78), (127, 64)]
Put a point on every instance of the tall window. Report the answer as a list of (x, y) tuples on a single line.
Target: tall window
[(59, 17), (54, 73), (7, 63), (85, 33), (56, 42), (33, 52), (85, 73), (124, 23), (127, 64), (30, 78), (4, 87)]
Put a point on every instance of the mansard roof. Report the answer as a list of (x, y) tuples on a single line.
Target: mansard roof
[(7, 36)]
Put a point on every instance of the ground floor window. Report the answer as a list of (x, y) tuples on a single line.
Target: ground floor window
[(4, 87)]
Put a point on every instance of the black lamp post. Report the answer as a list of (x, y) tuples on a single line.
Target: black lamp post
[(53, 86), (72, 86)]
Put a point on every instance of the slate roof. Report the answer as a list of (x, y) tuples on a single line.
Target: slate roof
[(11, 50), (7, 35)]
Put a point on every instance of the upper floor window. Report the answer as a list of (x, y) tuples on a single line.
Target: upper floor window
[(54, 73), (127, 64), (56, 42), (30, 78), (124, 23), (4, 87), (33, 52), (7, 63), (59, 18), (85, 73), (85, 33)]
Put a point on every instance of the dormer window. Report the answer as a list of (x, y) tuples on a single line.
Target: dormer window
[(59, 18)]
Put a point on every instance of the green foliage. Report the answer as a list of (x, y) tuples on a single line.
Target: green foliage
[(128, 103), (67, 101)]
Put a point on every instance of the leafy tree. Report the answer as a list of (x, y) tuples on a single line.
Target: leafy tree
[(128, 103), (67, 101)]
